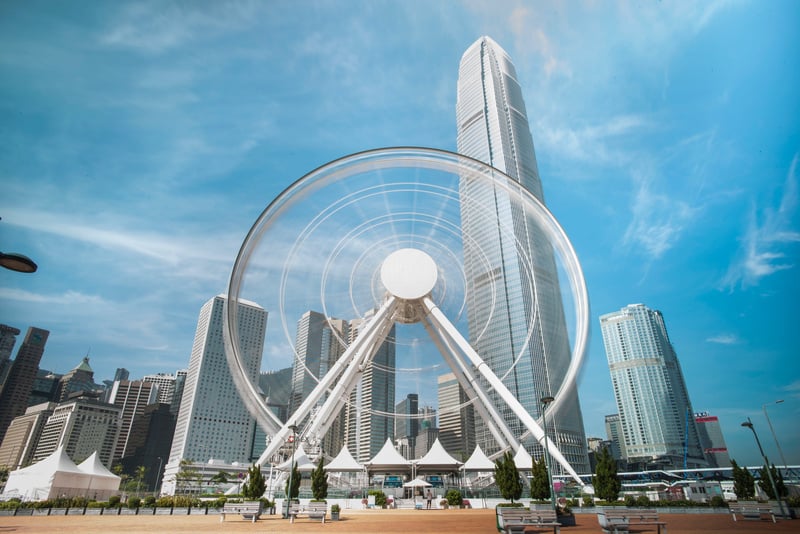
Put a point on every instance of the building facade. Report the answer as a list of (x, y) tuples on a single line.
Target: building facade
[(513, 314), (22, 373), (132, 397), (22, 436), (406, 424), (213, 421), (456, 418), (711, 440), (658, 428)]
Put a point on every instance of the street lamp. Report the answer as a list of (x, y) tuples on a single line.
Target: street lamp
[(764, 407), (545, 402), (17, 262), (749, 425), (293, 428)]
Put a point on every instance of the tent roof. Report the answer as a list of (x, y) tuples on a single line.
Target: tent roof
[(417, 483), (94, 467), (300, 457), (437, 457), (343, 462), (478, 461), (58, 461), (523, 460), (388, 458)]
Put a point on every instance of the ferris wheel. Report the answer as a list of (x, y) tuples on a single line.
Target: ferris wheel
[(378, 236)]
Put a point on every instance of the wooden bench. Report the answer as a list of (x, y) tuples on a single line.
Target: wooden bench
[(751, 510), (518, 520), (615, 520), (248, 510), (314, 510)]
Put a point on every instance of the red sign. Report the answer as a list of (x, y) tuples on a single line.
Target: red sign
[(291, 439)]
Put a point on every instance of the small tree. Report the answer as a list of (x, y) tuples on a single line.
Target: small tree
[(506, 476), (319, 482), (220, 478), (540, 482), (294, 479), (743, 482), (764, 484), (255, 485), (141, 471), (606, 483)]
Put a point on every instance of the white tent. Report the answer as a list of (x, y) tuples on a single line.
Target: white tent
[(389, 460), (344, 463), (103, 483), (58, 476), (523, 460), (417, 483), (478, 461), (304, 465), (437, 459)]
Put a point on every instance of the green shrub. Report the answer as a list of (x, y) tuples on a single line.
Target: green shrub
[(630, 501), (380, 497), (165, 501), (717, 501), (510, 505), (149, 501), (134, 502), (453, 497), (113, 501), (588, 501), (643, 501)]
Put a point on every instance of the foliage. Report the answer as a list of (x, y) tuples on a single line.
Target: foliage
[(220, 478), (294, 480), (588, 501), (134, 502), (540, 481), (380, 497), (149, 501), (113, 501), (630, 501), (255, 485), (777, 477), (643, 501), (718, 501), (606, 483), (319, 482), (507, 478), (185, 476), (743, 483), (453, 497), (335, 509), (510, 505)]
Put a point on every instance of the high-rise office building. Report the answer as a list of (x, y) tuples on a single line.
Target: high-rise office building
[(213, 421), (8, 338), (512, 314), (22, 436), (80, 378), (17, 388), (369, 417), (406, 424), (132, 397), (81, 425), (615, 436), (711, 440), (456, 418), (650, 391)]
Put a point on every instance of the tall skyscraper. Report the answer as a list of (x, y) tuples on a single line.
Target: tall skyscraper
[(317, 348), (711, 440), (14, 397), (166, 386), (615, 436), (213, 422), (80, 378), (511, 314), (132, 397), (22, 436), (8, 338), (456, 419), (651, 394), (406, 424), (369, 418)]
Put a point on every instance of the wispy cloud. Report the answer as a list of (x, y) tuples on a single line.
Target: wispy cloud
[(724, 339), (768, 238)]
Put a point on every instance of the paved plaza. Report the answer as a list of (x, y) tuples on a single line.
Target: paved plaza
[(366, 521)]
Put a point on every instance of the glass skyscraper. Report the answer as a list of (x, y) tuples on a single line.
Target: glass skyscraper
[(514, 315), (658, 426)]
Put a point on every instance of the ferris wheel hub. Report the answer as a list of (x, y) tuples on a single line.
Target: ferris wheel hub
[(409, 274)]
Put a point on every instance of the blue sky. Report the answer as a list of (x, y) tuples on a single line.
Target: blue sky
[(140, 141)]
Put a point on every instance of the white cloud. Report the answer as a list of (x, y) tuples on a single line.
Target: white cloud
[(724, 339), (767, 238)]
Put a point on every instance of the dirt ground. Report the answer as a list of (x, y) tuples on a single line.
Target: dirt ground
[(367, 521)]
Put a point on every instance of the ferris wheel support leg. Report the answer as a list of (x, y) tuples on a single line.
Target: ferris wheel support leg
[(331, 376), (496, 424), (439, 320)]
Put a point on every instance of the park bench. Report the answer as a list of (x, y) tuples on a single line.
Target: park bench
[(751, 510), (518, 520), (248, 510), (314, 510), (616, 520)]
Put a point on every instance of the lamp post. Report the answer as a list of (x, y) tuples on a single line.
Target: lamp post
[(749, 425), (293, 428), (545, 402), (17, 262), (780, 451)]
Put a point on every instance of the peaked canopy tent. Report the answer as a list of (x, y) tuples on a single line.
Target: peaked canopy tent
[(478, 462), (304, 465), (437, 460), (388, 460), (523, 460), (344, 472), (58, 476)]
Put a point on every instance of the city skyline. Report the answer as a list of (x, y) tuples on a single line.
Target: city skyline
[(140, 142)]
